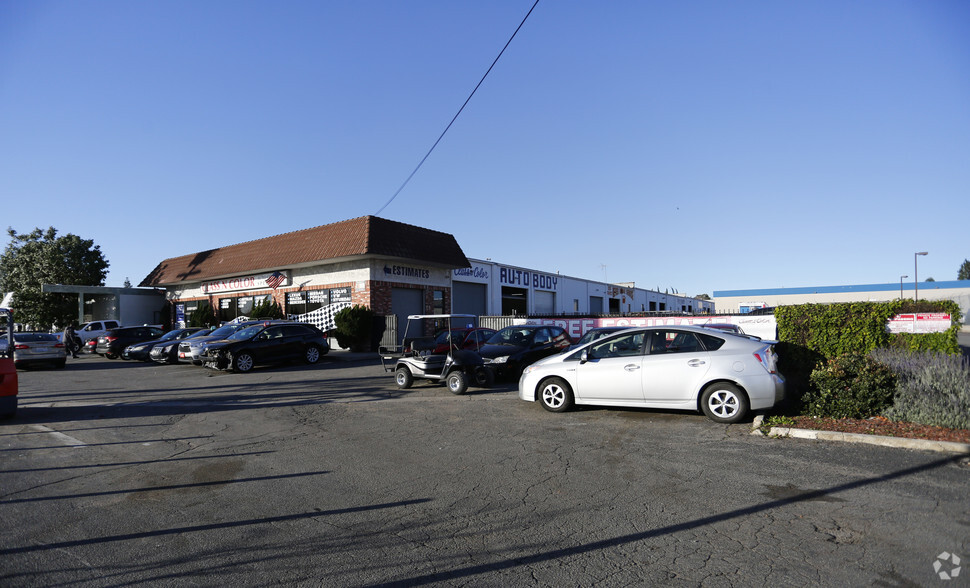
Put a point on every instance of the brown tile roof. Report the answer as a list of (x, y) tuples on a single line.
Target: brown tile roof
[(366, 235)]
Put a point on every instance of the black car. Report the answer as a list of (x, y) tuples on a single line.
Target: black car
[(269, 342), (168, 351), (113, 343), (141, 351), (510, 350)]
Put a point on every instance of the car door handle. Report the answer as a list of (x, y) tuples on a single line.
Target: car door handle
[(696, 362), (631, 367)]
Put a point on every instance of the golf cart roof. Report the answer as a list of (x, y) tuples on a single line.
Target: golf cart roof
[(440, 316)]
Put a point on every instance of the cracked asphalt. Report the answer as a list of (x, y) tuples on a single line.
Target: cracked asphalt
[(118, 473)]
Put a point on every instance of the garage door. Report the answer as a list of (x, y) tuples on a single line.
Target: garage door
[(405, 301), (469, 298)]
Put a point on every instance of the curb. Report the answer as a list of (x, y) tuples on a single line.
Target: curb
[(899, 442)]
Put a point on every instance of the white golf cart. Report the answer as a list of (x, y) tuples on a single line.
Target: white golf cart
[(436, 359)]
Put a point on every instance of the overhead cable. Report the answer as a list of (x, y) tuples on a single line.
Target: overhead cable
[(467, 100)]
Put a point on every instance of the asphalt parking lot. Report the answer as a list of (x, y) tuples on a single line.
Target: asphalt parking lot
[(118, 473)]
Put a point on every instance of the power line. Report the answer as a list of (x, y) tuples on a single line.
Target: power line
[(467, 100)]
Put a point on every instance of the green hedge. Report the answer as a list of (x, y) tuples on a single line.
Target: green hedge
[(811, 334)]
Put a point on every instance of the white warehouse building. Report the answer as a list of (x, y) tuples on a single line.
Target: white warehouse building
[(491, 288)]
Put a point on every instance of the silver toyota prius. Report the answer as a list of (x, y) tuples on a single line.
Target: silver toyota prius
[(672, 367)]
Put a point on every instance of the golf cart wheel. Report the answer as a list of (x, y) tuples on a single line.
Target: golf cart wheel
[(484, 378), (457, 382), (403, 377)]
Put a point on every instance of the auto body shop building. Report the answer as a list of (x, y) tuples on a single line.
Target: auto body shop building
[(391, 267)]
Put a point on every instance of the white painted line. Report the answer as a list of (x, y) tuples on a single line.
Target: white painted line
[(66, 439)]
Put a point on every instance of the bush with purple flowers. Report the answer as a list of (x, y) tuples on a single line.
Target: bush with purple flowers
[(931, 388)]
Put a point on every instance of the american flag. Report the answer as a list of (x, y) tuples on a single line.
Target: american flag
[(275, 280)]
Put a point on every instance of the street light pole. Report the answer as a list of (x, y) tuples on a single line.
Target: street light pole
[(916, 274), (901, 278)]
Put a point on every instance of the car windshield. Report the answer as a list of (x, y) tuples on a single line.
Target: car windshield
[(247, 333), (170, 335), (456, 337), (201, 333), (225, 330), (593, 335), (512, 336)]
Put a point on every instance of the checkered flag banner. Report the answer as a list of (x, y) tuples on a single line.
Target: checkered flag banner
[(322, 318)]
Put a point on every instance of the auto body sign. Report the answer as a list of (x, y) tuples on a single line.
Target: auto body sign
[(526, 278)]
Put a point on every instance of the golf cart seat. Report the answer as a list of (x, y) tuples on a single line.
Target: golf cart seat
[(422, 346)]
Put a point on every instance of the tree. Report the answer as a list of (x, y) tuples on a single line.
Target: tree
[(41, 257), (964, 273)]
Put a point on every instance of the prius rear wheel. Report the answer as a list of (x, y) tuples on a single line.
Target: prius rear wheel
[(724, 403)]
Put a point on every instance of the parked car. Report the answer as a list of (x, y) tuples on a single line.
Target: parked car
[(113, 343), (682, 368), (191, 350), (268, 342), (464, 338), (594, 334), (31, 349), (168, 351), (513, 348), (141, 350), (93, 330)]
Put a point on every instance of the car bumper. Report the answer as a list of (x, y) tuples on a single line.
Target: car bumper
[(766, 392)]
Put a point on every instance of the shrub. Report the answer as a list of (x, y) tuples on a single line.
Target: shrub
[(202, 316), (355, 327), (266, 309), (932, 388), (852, 385)]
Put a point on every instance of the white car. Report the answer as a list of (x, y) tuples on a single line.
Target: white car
[(677, 367)]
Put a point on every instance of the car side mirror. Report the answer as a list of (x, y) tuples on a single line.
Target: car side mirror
[(584, 356)]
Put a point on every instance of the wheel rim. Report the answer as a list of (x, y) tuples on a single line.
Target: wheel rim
[(244, 362), (401, 379), (723, 404), (553, 396), (454, 384), (312, 354)]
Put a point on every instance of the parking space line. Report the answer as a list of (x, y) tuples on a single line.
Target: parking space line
[(66, 439)]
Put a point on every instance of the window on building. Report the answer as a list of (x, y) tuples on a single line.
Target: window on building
[(439, 302)]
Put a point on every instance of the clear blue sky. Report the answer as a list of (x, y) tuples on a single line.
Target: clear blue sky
[(695, 146)]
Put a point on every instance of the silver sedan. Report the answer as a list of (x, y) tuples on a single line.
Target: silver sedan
[(678, 367)]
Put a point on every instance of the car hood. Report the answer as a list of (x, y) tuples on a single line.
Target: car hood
[(492, 351), (217, 344)]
